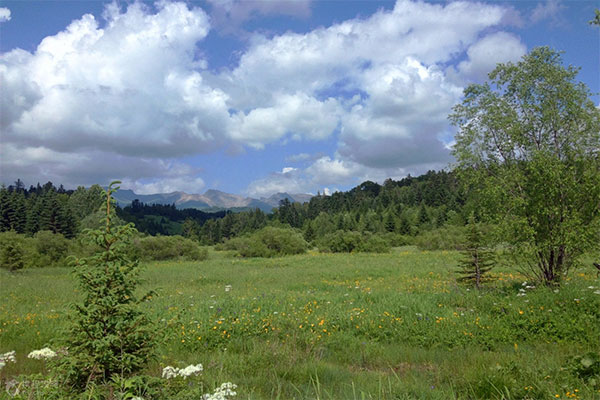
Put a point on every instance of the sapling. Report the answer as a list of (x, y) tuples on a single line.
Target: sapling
[(477, 258), (109, 335)]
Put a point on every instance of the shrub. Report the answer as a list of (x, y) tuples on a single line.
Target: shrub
[(282, 241), (374, 244), (340, 242), (396, 239), (12, 255), (268, 242), (158, 248), (449, 237), (54, 247)]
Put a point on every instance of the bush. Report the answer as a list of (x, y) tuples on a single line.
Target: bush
[(158, 248), (12, 254), (54, 247), (340, 242), (396, 239), (374, 244), (449, 237), (268, 242), (43, 250), (352, 241)]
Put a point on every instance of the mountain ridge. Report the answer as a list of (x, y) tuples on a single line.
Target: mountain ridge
[(212, 200)]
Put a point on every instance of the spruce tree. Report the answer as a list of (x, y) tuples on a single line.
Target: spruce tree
[(4, 209), (477, 259), (109, 335)]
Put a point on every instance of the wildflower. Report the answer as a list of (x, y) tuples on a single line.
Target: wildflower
[(191, 370), (170, 372), (42, 354), (6, 358), (228, 288), (222, 393)]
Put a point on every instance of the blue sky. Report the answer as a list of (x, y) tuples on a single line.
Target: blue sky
[(256, 97)]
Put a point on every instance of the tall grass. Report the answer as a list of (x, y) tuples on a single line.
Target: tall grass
[(341, 326)]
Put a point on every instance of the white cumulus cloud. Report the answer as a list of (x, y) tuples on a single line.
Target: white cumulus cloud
[(484, 55), (4, 14), (132, 93)]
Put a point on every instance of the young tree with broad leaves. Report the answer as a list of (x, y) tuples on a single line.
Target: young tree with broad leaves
[(528, 150)]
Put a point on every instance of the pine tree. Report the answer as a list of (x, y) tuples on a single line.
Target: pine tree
[(477, 259)]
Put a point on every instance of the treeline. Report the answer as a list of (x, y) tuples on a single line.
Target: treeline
[(164, 219), (44, 208), (398, 210), (57, 210)]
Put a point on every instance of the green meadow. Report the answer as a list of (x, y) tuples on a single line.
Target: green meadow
[(341, 326)]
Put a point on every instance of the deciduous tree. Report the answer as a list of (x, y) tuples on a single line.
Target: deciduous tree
[(528, 147)]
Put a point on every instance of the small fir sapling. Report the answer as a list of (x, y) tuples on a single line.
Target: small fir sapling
[(477, 259)]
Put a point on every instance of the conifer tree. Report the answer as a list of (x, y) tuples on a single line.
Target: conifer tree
[(4, 209), (17, 211), (477, 259), (423, 217), (390, 221), (109, 334), (404, 226)]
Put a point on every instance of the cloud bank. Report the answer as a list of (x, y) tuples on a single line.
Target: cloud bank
[(130, 95)]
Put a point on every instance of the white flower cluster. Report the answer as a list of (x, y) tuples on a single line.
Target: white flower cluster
[(223, 392), (522, 291), (42, 354), (227, 288), (172, 372), (6, 358)]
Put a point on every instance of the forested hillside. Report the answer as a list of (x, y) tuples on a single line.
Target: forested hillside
[(407, 207)]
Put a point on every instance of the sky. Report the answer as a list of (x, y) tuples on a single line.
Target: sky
[(256, 97)]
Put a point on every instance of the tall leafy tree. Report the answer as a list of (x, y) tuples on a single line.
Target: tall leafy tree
[(528, 147)]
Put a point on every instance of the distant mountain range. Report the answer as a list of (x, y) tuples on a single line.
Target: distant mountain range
[(211, 200)]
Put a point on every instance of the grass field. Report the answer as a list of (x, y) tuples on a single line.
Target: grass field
[(332, 326)]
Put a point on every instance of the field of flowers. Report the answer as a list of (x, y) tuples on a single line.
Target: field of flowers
[(342, 326)]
